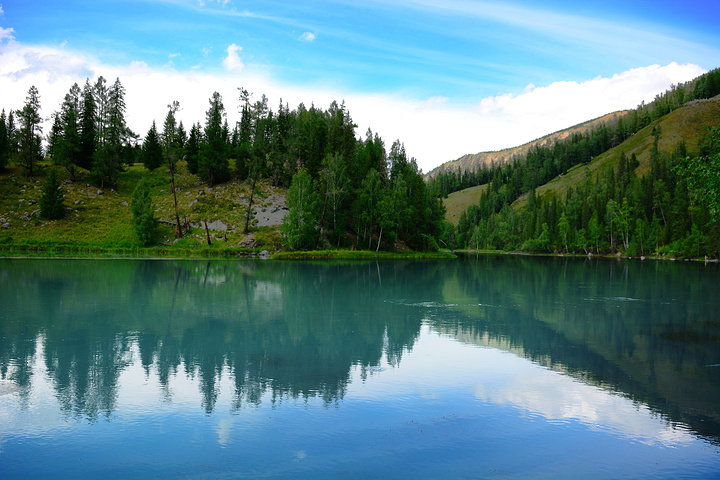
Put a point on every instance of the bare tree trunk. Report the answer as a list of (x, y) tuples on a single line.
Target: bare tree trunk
[(207, 232), (252, 193), (178, 228), (322, 221)]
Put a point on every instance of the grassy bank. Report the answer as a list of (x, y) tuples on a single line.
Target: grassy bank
[(359, 255)]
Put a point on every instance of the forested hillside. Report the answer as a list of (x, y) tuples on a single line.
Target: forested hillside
[(343, 190), (646, 183), (466, 164)]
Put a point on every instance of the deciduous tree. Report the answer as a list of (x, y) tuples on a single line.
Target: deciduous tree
[(300, 223)]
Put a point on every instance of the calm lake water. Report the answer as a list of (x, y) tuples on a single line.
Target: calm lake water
[(481, 367)]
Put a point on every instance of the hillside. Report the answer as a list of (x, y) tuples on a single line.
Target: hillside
[(458, 202), (473, 161), (688, 123), (98, 220)]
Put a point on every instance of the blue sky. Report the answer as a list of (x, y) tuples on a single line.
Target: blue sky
[(446, 77)]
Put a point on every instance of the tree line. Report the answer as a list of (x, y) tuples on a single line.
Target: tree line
[(344, 190)]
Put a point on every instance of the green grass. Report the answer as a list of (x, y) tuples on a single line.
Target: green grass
[(688, 124), (100, 223), (358, 255), (458, 202)]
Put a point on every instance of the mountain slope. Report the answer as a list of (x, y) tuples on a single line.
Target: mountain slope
[(687, 124), (473, 161)]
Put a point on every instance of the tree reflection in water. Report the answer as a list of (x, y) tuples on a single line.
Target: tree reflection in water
[(648, 330)]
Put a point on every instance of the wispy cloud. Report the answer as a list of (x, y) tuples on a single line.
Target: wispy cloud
[(6, 34), (307, 37), (233, 62)]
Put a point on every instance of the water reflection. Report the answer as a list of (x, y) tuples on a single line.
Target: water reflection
[(292, 329), (645, 331)]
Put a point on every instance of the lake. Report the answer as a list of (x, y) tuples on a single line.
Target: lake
[(480, 367)]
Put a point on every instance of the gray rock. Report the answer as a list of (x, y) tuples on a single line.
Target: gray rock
[(99, 192), (193, 203), (217, 225), (125, 204), (32, 202), (77, 202)]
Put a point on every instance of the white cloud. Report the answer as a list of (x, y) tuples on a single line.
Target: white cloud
[(307, 37), (233, 62), (434, 130), (6, 34)]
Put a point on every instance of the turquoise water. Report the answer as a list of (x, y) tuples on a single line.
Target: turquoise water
[(481, 367)]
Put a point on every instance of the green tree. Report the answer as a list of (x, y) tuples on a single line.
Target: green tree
[(143, 212), (172, 147), (335, 183), (52, 198), (4, 141), (151, 149), (192, 148), (65, 144), (595, 231), (88, 128), (702, 174), (395, 209), (299, 226), (29, 134), (113, 133), (213, 165), (564, 229), (367, 205)]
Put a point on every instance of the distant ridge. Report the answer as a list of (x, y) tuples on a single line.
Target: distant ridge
[(471, 162)]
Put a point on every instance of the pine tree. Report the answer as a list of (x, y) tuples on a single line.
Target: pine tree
[(152, 153), (65, 144), (4, 142), (88, 128), (113, 133), (52, 198), (143, 212), (172, 151), (30, 141), (213, 165), (192, 148)]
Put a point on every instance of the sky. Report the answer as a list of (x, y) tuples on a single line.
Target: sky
[(445, 77)]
